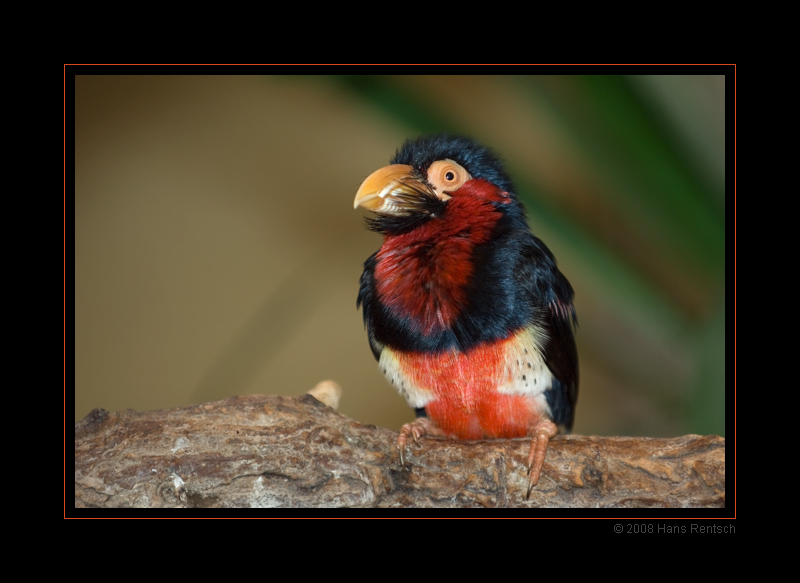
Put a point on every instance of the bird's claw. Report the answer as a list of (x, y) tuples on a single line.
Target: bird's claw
[(542, 432), (416, 429)]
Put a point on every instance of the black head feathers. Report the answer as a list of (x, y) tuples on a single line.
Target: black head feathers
[(478, 160)]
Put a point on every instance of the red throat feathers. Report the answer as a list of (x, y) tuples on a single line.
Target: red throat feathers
[(422, 274)]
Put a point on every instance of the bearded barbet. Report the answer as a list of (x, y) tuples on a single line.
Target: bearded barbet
[(466, 312)]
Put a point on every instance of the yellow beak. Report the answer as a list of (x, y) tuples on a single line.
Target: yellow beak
[(384, 189)]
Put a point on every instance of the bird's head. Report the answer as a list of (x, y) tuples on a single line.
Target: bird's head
[(425, 174)]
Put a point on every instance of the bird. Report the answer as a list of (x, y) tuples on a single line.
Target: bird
[(466, 311)]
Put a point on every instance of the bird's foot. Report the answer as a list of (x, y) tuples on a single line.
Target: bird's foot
[(541, 432), (416, 429)]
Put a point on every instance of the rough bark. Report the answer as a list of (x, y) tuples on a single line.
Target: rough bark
[(296, 452)]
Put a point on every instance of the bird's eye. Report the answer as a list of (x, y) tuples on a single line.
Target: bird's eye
[(447, 176)]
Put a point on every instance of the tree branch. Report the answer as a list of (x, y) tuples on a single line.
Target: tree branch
[(296, 452)]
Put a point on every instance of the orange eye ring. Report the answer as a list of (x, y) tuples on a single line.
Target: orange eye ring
[(447, 176)]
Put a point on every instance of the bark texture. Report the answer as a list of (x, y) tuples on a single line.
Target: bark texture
[(296, 452)]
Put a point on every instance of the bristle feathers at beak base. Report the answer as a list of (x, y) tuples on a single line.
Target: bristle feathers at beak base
[(382, 190)]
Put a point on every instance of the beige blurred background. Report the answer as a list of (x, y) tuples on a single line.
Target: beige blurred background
[(217, 252)]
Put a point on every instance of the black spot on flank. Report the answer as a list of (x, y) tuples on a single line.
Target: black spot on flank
[(523, 377)]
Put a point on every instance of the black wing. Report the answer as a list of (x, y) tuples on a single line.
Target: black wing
[(551, 298), (365, 300)]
